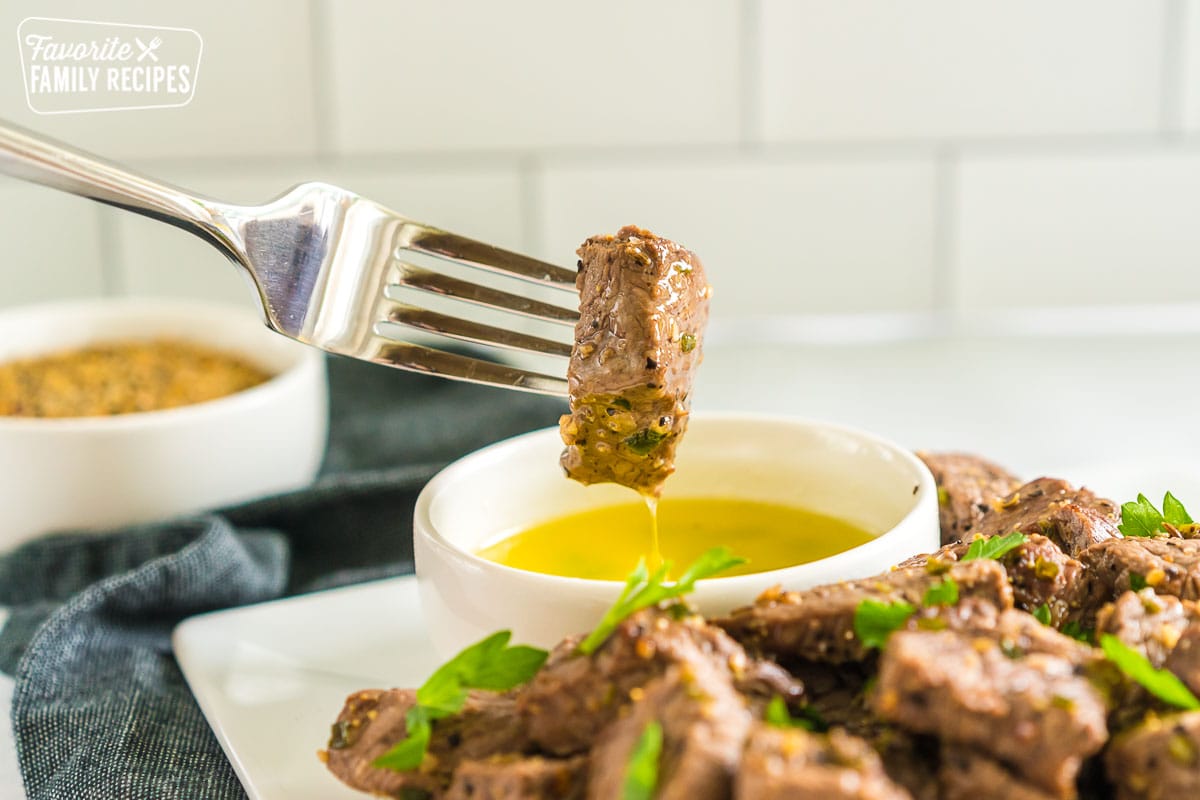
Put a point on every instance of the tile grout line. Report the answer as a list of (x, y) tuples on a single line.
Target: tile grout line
[(1171, 69), (750, 100), (814, 151), (945, 221), (322, 79), (112, 272)]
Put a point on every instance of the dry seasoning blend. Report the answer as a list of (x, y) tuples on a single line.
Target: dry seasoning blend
[(121, 378)]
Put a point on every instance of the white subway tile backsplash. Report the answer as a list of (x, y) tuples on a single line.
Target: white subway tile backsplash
[(51, 245), (1189, 64), (776, 238), (424, 75), (156, 259), (1072, 230), (534, 124), (253, 90), (861, 69)]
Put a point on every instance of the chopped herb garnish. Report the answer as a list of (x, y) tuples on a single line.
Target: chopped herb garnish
[(1042, 614), (643, 590), (1077, 632), (1137, 582), (874, 621), (994, 546), (489, 664), (1159, 682), (777, 715), (1010, 649), (644, 441), (641, 774), (687, 342), (1141, 518), (942, 593), (409, 752)]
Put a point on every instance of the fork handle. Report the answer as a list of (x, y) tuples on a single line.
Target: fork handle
[(40, 159)]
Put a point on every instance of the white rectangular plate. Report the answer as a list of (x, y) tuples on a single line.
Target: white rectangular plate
[(271, 678)]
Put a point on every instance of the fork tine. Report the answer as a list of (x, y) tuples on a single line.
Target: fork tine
[(437, 242), (468, 331), (426, 280), (418, 358)]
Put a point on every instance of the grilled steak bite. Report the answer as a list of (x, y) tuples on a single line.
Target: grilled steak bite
[(1147, 622), (968, 486), (643, 306), (791, 764), (909, 760), (704, 725), (1184, 660), (977, 692), (576, 695), (1020, 634), (965, 774), (1169, 566), (818, 624), (1074, 519), (372, 721), (1157, 760), (520, 778), (1033, 712), (1040, 573)]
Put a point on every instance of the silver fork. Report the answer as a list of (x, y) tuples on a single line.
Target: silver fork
[(321, 259)]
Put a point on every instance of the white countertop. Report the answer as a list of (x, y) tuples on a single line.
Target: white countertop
[(1117, 413), (1101, 411)]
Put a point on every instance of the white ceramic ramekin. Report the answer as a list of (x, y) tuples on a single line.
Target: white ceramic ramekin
[(98, 472), (506, 487)]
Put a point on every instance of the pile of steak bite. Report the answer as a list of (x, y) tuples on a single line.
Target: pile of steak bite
[(972, 699)]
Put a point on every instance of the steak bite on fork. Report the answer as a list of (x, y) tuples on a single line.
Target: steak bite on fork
[(643, 306)]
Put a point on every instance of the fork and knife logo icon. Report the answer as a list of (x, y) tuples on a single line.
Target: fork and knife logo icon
[(147, 50)]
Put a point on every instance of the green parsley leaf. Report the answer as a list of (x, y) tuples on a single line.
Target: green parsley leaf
[(1136, 581), (409, 752), (1077, 632), (1159, 682), (1140, 518), (641, 774), (778, 716), (994, 546), (488, 664), (1042, 614), (644, 441), (1174, 511), (943, 593), (643, 590), (874, 621)]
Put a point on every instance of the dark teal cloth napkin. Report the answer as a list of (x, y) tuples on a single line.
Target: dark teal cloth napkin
[(100, 709)]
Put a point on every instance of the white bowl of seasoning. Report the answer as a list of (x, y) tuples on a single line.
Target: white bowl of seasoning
[(517, 485), (95, 472)]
